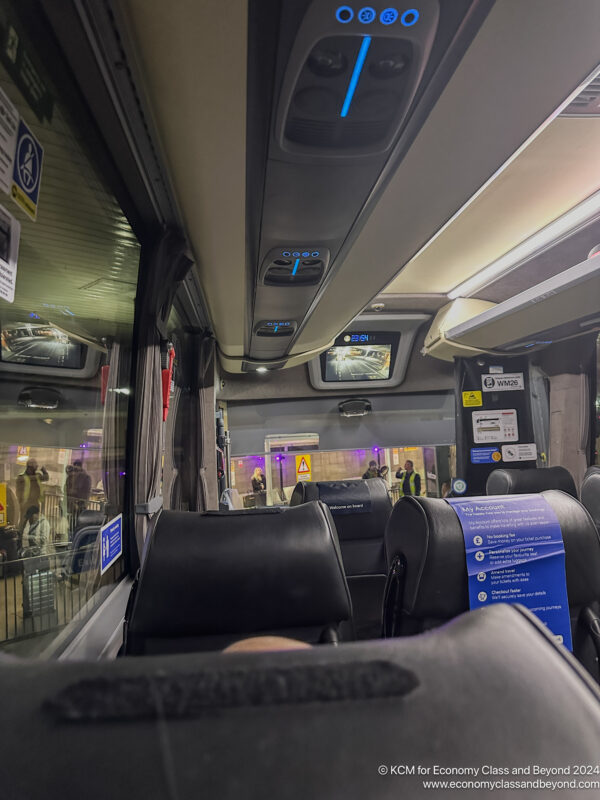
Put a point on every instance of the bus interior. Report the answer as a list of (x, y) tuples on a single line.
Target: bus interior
[(291, 292)]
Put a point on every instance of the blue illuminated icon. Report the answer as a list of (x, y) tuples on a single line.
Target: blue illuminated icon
[(315, 253), (344, 14), (388, 16), (286, 254), (305, 254), (295, 270), (296, 253), (366, 15), (360, 62), (409, 17)]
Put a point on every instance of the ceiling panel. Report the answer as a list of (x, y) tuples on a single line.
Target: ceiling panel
[(559, 169)]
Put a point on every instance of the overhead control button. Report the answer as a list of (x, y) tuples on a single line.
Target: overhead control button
[(344, 14)]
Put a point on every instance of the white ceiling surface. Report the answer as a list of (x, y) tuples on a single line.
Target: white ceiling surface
[(192, 54), (558, 170), (526, 59)]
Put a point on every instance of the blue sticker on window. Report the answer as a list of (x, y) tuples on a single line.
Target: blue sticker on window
[(111, 542), (485, 455), (515, 554)]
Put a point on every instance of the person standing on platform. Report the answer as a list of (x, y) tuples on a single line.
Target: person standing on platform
[(372, 471), (259, 487), (30, 491), (77, 489), (410, 481)]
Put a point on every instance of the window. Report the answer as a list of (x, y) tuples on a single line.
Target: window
[(65, 359)]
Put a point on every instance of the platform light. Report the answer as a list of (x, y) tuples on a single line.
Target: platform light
[(262, 369)]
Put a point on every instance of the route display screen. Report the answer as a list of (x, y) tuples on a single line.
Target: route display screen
[(359, 357), (41, 345)]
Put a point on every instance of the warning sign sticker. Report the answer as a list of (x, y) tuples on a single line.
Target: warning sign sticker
[(303, 468), (472, 399), (495, 426), (508, 382)]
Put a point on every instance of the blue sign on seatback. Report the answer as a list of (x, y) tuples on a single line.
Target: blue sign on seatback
[(515, 554), (345, 498), (111, 542)]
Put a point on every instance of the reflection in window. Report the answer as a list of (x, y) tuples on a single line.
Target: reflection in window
[(65, 372)]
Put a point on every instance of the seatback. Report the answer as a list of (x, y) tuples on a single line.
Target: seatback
[(211, 578), (428, 582), (489, 688), (80, 554), (590, 493), (361, 509), (530, 481)]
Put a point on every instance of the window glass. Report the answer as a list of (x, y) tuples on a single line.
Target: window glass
[(269, 478), (72, 259)]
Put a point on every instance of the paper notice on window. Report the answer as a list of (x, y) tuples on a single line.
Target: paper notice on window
[(9, 123), (10, 232)]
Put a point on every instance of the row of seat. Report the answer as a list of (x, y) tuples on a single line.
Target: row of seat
[(208, 579)]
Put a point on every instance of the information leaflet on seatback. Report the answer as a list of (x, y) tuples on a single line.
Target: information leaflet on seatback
[(515, 554), (111, 542)]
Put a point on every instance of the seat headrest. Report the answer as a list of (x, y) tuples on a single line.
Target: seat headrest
[(90, 517), (361, 508), (530, 481), (590, 493), (224, 572), (427, 533)]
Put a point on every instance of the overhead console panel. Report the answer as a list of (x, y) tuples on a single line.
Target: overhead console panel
[(345, 79)]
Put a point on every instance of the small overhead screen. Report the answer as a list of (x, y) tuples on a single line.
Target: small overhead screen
[(372, 352), (41, 345), (359, 356)]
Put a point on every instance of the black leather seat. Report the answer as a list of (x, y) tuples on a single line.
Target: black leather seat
[(530, 481), (427, 584), (590, 493), (489, 688), (209, 579), (361, 509)]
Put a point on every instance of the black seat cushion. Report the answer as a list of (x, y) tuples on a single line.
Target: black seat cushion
[(530, 481), (232, 573)]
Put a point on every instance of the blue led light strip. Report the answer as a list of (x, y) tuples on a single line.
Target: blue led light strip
[(360, 62), (295, 267)]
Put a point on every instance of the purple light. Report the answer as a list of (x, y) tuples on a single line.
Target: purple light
[(375, 449), (122, 474)]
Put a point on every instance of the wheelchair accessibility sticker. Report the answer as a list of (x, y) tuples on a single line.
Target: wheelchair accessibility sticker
[(27, 171), (111, 542), (515, 554)]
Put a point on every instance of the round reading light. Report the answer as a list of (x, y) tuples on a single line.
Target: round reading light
[(327, 63), (390, 66)]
